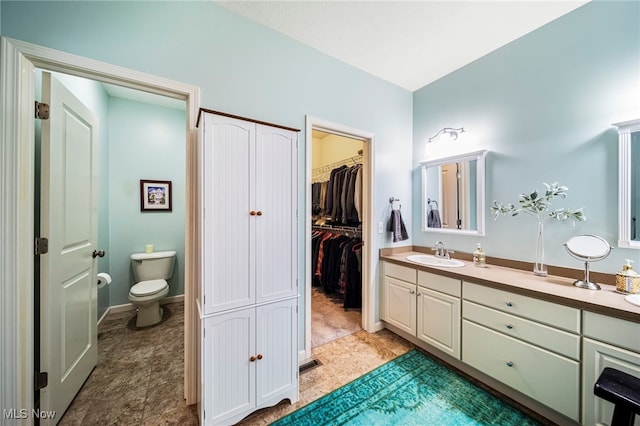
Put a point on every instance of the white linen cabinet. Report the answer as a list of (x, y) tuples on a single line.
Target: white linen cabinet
[(249, 255)]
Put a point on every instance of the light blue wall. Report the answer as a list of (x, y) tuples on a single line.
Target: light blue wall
[(241, 68), (543, 105), (145, 142)]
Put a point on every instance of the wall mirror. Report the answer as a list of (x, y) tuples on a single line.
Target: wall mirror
[(453, 191), (628, 183)]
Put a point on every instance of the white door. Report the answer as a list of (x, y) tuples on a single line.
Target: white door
[(277, 351), (276, 252), (68, 284), (229, 366), (228, 152)]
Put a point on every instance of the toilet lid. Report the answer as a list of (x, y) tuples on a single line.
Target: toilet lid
[(146, 288)]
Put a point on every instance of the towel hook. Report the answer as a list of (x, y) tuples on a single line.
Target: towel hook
[(392, 199)]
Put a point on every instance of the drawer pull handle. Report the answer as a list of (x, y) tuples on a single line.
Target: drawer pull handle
[(509, 364), (509, 304), (509, 326)]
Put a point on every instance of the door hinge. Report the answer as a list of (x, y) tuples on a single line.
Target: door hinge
[(41, 246), (42, 111), (42, 379)]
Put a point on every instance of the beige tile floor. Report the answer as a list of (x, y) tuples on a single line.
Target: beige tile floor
[(329, 320)]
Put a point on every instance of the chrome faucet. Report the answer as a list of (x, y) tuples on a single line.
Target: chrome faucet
[(440, 251)]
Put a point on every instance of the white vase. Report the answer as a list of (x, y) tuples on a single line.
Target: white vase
[(540, 268)]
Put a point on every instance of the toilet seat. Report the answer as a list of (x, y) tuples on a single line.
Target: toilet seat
[(148, 288)]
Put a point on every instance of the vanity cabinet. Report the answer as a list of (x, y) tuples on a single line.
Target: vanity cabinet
[(424, 305), (607, 342), (535, 345), (249, 249)]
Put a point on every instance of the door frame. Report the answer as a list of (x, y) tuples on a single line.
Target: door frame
[(368, 254), (17, 178)]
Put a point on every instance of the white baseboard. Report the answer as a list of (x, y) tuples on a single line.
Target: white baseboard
[(302, 357), (131, 307)]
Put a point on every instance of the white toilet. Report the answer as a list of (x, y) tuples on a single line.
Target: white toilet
[(151, 271)]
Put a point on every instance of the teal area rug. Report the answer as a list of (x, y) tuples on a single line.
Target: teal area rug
[(412, 389)]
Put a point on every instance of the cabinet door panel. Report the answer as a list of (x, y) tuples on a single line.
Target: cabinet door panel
[(276, 204), (277, 370), (227, 253), (439, 321), (400, 304), (228, 376), (597, 356)]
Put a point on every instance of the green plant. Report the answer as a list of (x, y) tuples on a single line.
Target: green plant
[(538, 205)]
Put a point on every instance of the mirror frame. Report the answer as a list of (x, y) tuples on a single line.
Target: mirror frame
[(479, 156), (625, 129)]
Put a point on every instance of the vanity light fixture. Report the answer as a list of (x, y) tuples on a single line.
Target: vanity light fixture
[(447, 133)]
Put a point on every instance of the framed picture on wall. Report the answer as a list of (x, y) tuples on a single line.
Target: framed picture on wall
[(155, 195)]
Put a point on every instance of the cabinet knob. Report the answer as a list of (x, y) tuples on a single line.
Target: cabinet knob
[(252, 359), (509, 364), (259, 213), (259, 356), (509, 326), (418, 294), (412, 292), (252, 213), (509, 304)]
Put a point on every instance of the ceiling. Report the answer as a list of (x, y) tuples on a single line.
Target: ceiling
[(144, 97), (408, 43)]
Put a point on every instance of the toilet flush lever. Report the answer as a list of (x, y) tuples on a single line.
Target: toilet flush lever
[(97, 253)]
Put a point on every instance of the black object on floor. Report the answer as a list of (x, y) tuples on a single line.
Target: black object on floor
[(621, 389)]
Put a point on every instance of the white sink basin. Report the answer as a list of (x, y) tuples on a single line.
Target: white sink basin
[(431, 260), (633, 298)]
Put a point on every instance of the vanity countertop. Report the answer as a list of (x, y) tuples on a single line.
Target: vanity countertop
[(557, 289)]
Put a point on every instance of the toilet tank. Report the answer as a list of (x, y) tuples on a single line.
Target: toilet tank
[(153, 266)]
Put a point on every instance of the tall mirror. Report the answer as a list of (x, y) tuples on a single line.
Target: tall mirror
[(628, 183), (453, 194)]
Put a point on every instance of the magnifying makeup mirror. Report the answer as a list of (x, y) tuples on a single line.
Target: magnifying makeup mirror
[(588, 248)]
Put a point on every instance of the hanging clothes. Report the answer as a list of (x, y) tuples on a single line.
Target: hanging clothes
[(337, 266)]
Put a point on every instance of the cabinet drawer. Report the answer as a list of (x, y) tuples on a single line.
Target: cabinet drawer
[(616, 331), (549, 378), (400, 272), (439, 283), (550, 338), (538, 310)]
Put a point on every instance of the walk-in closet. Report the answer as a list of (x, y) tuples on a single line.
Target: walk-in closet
[(336, 237)]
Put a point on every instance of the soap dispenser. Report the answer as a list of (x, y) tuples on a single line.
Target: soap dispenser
[(479, 258), (628, 280)]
